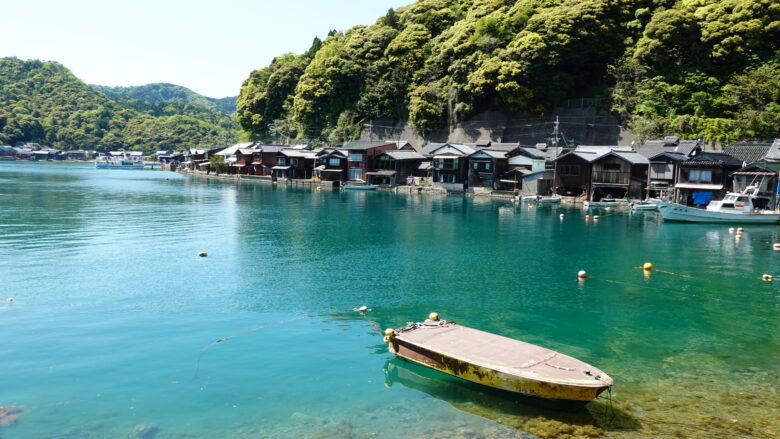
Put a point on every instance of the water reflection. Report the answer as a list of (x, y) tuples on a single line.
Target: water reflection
[(545, 418)]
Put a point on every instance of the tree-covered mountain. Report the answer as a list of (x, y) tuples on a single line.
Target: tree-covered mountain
[(163, 93), (694, 68), (44, 102)]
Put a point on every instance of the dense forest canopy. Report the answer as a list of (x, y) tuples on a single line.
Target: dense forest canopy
[(43, 102), (694, 68), (169, 93)]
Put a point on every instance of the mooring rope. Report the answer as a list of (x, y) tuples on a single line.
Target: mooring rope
[(238, 334)]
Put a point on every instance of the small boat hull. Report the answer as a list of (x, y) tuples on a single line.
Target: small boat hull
[(543, 373), (644, 207), (368, 187), (679, 213), (601, 204), (541, 201)]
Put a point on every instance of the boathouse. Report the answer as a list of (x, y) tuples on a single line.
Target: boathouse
[(393, 168), (527, 172), (450, 165), (7, 153), (294, 163), (361, 154), (599, 172), (331, 165), (704, 177)]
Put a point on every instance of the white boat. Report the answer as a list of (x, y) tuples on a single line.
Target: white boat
[(119, 161), (645, 206), (540, 200), (601, 204), (360, 187), (733, 208)]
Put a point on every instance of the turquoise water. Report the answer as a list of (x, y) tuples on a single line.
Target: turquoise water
[(114, 327)]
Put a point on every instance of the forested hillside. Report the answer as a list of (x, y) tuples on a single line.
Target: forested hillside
[(44, 102), (694, 68), (169, 94)]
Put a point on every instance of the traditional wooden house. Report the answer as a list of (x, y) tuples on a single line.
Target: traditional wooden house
[(395, 167), (601, 172), (75, 154), (294, 163), (485, 168), (332, 164), (450, 166), (527, 172), (47, 155), (663, 170), (760, 171), (7, 153), (704, 177), (361, 155), (264, 159)]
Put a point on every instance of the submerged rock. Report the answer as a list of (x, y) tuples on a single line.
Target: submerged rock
[(146, 431), (9, 415)]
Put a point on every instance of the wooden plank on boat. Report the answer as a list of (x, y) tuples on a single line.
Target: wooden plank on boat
[(498, 361)]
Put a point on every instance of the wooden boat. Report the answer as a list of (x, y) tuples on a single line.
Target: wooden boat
[(643, 206), (734, 208), (496, 361), (601, 204), (354, 187), (539, 200)]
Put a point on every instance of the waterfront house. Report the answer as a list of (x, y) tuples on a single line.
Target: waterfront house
[(485, 167), (46, 155), (7, 153), (704, 177), (360, 156), (396, 167), (450, 165), (598, 172), (663, 171), (264, 160), (527, 171), (294, 163), (761, 165), (331, 165), (75, 154)]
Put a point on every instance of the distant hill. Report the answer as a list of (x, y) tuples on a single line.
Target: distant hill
[(166, 93), (44, 102)]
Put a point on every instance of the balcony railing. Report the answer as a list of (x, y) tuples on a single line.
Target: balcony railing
[(611, 177)]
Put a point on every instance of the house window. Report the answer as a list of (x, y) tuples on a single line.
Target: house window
[(446, 178), (385, 163), (661, 168), (334, 162), (355, 157), (355, 173), (569, 170), (481, 166), (281, 161), (700, 175), (446, 163)]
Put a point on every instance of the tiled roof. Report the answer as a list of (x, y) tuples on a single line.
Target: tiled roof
[(365, 144), (748, 152), (429, 148), (652, 148), (774, 151), (713, 158), (404, 155)]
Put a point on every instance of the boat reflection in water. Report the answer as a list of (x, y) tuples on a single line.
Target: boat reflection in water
[(541, 417)]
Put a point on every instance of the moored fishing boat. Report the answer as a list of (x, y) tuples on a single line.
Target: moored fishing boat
[(496, 361), (600, 203), (733, 208), (645, 206), (540, 200), (121, 160), (360, 187)]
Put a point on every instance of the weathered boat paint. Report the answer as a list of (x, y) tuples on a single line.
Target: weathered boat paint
[(527, 383)]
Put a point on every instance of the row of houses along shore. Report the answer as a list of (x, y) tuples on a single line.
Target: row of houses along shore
[(683, 171)]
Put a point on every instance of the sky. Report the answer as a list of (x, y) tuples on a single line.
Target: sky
[(207, 46)]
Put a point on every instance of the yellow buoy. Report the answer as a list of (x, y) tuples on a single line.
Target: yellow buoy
[(648, 266), (389, 331), (202, 254), (433, 316)]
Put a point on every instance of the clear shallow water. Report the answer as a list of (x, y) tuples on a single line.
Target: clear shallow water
[(114, 325)]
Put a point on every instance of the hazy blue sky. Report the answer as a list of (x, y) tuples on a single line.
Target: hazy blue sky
[(208, 46)]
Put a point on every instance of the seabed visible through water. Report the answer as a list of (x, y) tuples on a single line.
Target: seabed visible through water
[(118, 329)]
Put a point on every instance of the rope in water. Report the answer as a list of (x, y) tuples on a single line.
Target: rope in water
[(238, 334)]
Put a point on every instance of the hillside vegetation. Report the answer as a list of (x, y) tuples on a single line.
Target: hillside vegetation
[(695, 68), (169, 94), (44, 102)]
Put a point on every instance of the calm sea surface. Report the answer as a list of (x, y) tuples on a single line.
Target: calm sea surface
[(116, 324)]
